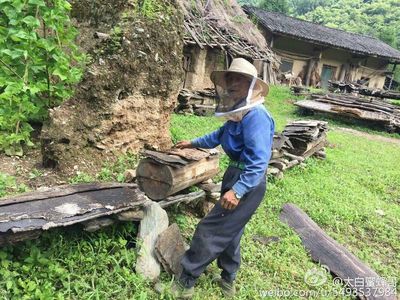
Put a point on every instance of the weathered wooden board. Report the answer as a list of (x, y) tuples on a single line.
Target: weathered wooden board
[(62, 190), (325, 250), (380, 93), (357, 101), (351, 106), (210, 187), (298, 141), (165, 158), (359, 104), (169, 249), (319, 145), (305, 130), (302, 148), (193, 154), (33, 212), (183, 198), (305, 136), (337, 109), (281, 141)]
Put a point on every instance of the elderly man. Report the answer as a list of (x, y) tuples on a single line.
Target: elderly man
[(247, 138)]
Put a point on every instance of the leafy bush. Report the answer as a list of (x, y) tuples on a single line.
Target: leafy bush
[(39, 63)]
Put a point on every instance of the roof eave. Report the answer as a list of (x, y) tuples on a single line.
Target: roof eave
[(257, 55), (390, 58)]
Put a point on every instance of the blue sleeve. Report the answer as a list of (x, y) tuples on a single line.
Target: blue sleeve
[(258, 135), (210, 140)]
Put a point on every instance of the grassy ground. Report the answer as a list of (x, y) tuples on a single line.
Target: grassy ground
[(397, 102), (354, 195)]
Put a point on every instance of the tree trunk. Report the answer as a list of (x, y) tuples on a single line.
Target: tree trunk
[(158, 180)]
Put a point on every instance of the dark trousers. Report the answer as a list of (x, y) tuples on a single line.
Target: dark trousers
[(218, 234)]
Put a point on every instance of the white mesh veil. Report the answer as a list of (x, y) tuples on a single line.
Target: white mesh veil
[(236, 92)]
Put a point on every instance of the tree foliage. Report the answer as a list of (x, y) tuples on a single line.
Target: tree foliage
[(281, 6), (378, 18), (38, 64)]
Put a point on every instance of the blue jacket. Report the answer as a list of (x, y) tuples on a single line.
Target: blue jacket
[(248, 141)]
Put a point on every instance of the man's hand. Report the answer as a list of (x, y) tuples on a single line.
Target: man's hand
[(229, 200), (183, 144)]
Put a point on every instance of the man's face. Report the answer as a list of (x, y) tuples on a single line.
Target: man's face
[(237, 85)]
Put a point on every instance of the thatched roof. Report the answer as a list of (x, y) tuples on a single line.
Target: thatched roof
[(223, 24), (283, 25)]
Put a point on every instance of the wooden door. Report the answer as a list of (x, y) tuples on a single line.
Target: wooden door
[(328, 73)]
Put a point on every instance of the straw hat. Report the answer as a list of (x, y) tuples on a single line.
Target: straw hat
[(244, 67)]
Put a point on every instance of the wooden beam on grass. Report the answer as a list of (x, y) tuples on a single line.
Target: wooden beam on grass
[(326, 251)]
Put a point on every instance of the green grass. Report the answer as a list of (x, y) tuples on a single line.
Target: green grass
[(73, 265), (342, 194), (9, 185), (396, 102), (345, 194)]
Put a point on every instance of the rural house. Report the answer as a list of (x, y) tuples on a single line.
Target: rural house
[(316, 53), (216, 31)]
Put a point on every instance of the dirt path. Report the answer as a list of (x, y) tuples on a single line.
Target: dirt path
[(369, 136)]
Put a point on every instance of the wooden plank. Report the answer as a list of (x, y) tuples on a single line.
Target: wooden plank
[(280, 141), (67, 210), (192, 154), (356, 104), (336, 109), (183, 198), (359, 100), (312, 123), (314, 148), (20, 220), (154, 178), (165, 158), (293, 157), (326, 251), (203, 110), (62, 190), (310, 66), (169, 249), (210, 187)]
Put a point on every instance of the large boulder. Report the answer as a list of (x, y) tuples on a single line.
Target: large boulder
[(154, 222), (128, 90)]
